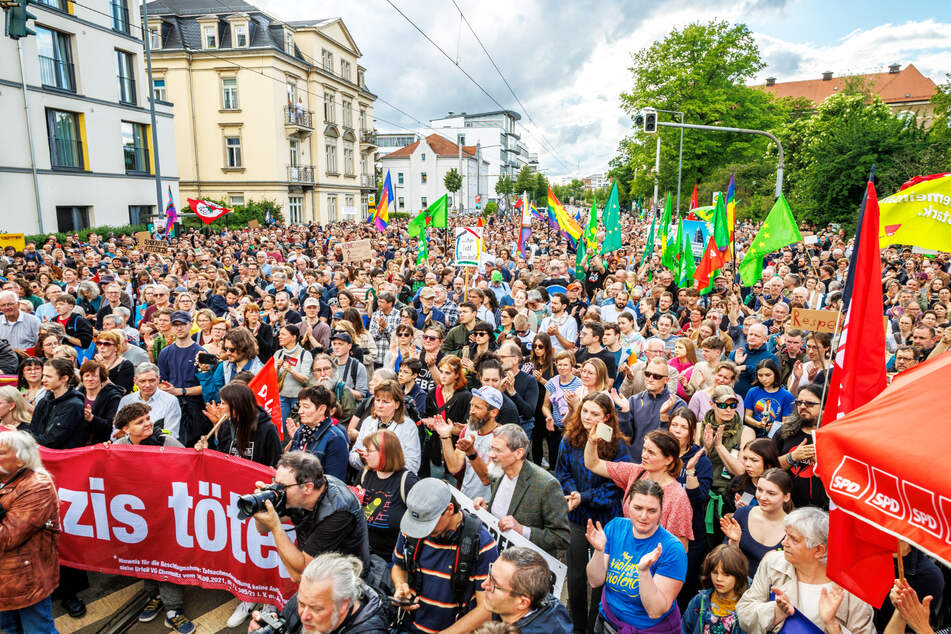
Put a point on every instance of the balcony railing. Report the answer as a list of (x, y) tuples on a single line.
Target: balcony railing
[(302, 174), (56, 73), (366, 180), (368, 137), (298, 117)]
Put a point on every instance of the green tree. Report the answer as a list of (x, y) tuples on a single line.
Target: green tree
[(525, 182), (453, 183), (540, 189), (504, 186)]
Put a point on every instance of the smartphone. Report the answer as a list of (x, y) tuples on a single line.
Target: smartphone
[(746, 498), (604, 432), (206, 358), (404, 602)]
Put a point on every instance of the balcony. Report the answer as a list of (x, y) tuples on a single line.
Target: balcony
[(300, 121), (300, 174), (367, 181), (55, 73), (368, 137)]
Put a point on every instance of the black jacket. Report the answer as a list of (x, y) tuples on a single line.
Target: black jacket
[(265, 444), (59, 423), (9, 360), (79, 327), (104, 409), (525, 399), (551, 617), (369, 619)]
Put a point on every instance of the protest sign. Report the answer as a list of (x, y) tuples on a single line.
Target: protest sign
[(253, 223), (356, 250), (814, 320), (15, 240), (147, 244), (511, 538), (468, 245), (165, 514)]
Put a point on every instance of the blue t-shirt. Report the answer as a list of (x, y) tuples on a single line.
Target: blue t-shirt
[(621, 581), (177, 365), (769, 407)]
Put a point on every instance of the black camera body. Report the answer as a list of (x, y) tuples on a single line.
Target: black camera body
[(271, 623), (248, 505)]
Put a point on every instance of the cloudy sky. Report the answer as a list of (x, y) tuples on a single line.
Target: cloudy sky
[(568, 62)]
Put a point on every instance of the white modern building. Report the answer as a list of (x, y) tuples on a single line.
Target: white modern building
[(418, 170), (83, 100)]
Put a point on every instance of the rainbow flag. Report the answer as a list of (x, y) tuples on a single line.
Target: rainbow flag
[(381, 217), (565, 222), (731, 206), (535, 211)]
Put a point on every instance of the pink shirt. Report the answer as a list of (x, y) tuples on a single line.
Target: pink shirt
[(676, 515)]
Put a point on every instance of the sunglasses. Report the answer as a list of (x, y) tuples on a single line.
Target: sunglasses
[(404, 334), (480, 334), (727, 405), (801, 403), (430, 338), (104, 343), (229, 349), (655, 376)]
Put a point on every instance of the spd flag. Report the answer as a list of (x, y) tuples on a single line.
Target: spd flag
[(267, 393)]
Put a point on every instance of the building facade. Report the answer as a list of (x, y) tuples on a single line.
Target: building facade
[(83, 99), (418, 170), (266, 109)]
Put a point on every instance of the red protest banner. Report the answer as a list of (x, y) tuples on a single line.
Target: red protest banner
[(165, 514), (267, 393)]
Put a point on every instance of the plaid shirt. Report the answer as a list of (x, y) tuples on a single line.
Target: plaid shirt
[(451, 310), (382, 335)]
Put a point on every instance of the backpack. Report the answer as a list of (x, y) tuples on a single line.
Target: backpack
[(363, 475), (466, 556)]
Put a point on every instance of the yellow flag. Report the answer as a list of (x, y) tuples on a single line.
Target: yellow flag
[(919, 215)]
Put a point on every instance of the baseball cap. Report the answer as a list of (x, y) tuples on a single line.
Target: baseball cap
[(425, 504), (427, 293), (490, 395), (575, 285), (496, 276), (342, 336), (723, 393), (181, 316), (310, 301)]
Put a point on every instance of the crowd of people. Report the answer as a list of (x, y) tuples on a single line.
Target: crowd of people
[(656, 440)]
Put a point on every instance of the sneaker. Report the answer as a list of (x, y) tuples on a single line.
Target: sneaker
[(151, 610), (74, 607), (178, 622), (240, 614)]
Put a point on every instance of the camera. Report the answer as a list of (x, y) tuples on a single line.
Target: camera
[(248, 505), (271, 623), (206, 358)]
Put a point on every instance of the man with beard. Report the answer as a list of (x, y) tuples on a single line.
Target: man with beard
[(797, 452), (472, 449), (323, 371), (792, 351), (513, 477)]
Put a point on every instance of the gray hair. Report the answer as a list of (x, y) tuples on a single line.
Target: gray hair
[(343, 573), (122, 312), (9, 295), (146, 366), (812, 523), (25, 448), (160, 287), (384, 374), (89, 287), (654, 340), (514, 436)]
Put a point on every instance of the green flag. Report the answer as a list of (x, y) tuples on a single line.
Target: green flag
[(649, 247), (423, 250), (668, 247), (778, 230), (438, 212), (417, 226), (686, 264), (612, 222), (591, 229), (721, 230)]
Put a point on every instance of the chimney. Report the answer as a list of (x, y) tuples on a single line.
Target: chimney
[(770, 81), (827, 75), (894, 68)]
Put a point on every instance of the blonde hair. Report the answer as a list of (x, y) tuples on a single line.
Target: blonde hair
[(21, 413)]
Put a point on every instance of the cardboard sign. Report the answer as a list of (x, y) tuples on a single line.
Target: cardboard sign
[(147, 244), (15, 240), (468, 246), (356, 250), (814, 320), (253, 223)]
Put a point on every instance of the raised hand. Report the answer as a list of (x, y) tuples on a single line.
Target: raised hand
[(595, 536), (650, 558), (292, 426), (668, 404), (731, 529), (442, 427), (829, 601), (692, 463), (784, 607), (622, 403), (573, 499)]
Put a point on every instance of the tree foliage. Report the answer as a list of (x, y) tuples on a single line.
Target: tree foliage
[(452, 181), (504, 186)]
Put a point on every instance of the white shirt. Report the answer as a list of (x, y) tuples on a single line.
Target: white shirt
[(405, 431), (471, 484), (567, 326), (503, 500), (166, 411)]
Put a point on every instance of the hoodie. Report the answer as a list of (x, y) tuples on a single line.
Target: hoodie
[(264, 446), (59, 423), (104, 409)]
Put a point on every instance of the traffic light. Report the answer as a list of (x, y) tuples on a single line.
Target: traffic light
[(17, 17), (639, 121), (650, 120)]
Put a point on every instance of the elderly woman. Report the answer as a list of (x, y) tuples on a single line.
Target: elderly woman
[(795, 579)]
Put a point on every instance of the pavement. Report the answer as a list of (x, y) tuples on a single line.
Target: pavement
[(107, 594)]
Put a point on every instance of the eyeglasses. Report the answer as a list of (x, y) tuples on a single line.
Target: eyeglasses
[(104, 343), (229, 348), (430, 338), (480, 334), (801, 403), (492, 585), (727, 405), (655, 376), (404, 334)]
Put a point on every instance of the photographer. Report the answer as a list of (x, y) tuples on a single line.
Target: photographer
[(518, 591), (325, 514), (331, 599)]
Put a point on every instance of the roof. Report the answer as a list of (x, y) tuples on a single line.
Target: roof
[(480, 115), (906, 85), (440, 145), (197, 7)]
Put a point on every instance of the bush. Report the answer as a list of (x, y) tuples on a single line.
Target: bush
[(491, 208), (396, 215), (241, 215), (40, 238)]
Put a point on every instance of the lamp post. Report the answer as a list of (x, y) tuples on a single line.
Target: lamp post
[(680, 167)]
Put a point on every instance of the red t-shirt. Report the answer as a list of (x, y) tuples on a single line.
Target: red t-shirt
[(676, 515)]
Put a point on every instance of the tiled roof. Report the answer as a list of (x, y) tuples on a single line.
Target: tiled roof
[(906, 85), (440, 145)]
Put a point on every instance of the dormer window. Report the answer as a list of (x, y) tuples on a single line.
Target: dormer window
[(241, 36), (289, 42), (210, 37), (155, 38)]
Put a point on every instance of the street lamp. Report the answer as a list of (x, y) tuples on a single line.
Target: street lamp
[(680, 167)]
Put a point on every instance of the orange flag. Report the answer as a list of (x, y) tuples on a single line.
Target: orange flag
[(711, 261), (267, 394)]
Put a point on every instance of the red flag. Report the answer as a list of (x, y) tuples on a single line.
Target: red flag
[(693, 199), (207, 211), (860, 556), (267, 394), (711, 261), (480, 222)]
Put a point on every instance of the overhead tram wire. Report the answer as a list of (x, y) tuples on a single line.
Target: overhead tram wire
[(546, 143), (468, 76)]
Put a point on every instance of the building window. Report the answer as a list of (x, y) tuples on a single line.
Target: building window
[(126, 74), (363, 119), (423, 203), (135, 146), (56, 59), (348, 159), (235, 200), (295, 209), (422, 156), (210, 39), (155, 38), (233, 151), (61, 5), (347, 113), (229, 93), (460, 139), (72, 219), (327, 60), (158, 90), (140, 214), (345, 69), (332, 207), (360, 78), (401, 203), (120, 15), (348, 207), (399, 178), (422, 177), (66, 148), (241, 36), (331, 156), (289, 43), (329, 110)]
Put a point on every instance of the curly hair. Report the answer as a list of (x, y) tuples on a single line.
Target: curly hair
[(576, 435)]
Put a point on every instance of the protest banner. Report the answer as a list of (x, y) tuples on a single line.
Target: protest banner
[(15, 240), (468, 246), (511, 538), (814, 320), (253, 223), (147, 244), (356, 250), (165, 514)]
